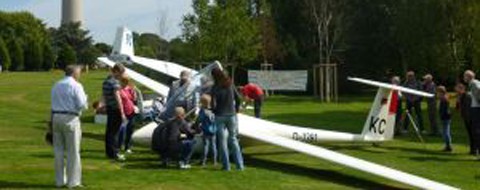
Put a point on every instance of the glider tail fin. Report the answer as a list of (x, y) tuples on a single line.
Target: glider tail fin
[(123, 45), (381, 120)]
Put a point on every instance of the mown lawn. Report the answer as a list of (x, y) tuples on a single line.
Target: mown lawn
[(26, 161)]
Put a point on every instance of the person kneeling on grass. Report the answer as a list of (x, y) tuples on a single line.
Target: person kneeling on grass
[(180, 138), (206, 120), (445, 116)]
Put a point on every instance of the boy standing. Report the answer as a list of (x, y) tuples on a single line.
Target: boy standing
[(445, 116), (206, 119)]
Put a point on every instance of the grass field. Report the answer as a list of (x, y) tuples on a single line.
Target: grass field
[(26, 161)]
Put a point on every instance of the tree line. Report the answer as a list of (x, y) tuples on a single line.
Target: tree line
[(27, 44), (370, 38)]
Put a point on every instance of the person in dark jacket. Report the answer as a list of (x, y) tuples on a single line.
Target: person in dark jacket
[(430, 87), (180, 140), (225, 105), (445, 116), (464, 100), (413, 102)]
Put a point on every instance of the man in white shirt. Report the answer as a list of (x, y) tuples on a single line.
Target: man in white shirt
[(68, 101), (474, 92)]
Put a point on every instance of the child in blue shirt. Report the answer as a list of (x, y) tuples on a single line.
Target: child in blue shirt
[(206, 120), (445, 116)]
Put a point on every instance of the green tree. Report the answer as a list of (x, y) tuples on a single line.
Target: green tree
[(26, 36), (90, 55), (104, 48), (181, 52), (48, 57), (74, 36), (462, 26), (4, 56), (151, 45), (16, 52), (145, 51), (33, 55), (224, 31), (66, 56)]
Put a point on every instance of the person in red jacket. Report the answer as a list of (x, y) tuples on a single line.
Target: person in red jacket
[(128, 96), (252, 92)]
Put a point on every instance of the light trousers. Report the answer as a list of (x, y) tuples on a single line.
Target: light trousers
[(67, 135)]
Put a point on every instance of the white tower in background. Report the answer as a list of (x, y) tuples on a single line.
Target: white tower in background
[(72, 11)]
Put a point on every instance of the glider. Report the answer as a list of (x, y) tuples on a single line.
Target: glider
[(378, 126)]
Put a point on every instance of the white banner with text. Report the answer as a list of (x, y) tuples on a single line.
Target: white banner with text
[(279, 80)]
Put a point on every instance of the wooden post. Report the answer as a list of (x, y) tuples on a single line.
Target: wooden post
[(315, 92), (335, 79), (325, 82), (322, 84)]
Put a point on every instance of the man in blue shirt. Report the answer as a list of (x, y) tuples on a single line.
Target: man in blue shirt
[(68, 101), (115, 114)]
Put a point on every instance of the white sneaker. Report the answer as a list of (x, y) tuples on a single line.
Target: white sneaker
[(184, 166), (120, 158), (129, 151), (181, 165)]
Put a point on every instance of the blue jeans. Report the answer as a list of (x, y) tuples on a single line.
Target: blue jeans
[(227, 133), (209, 142), (187, 150), (446, 133), (125, 134)]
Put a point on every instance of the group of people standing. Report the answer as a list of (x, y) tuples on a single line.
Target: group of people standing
[(68, 99), (122, 101), (220, 103), (438, 108)]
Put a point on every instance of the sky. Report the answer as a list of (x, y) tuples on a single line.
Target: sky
[(102, 17)]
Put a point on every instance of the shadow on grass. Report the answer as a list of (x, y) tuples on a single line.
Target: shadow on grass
[(88, 119), (326, 175), (272, 153), (439, 159), (85, 154), (93, 136), (143, 164), (366, 97), (347, 121), (416, 150), (22, 185), (360, 147)]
